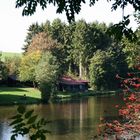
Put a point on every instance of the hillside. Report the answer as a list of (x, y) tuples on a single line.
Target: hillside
[(10, 54)]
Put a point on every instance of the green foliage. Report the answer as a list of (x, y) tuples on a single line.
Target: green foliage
[(72, 7), (104, 67), (47, 68), (132, 50), (73, 46), (80, 44), (61, 32), (12, 64), (121, 29), (87, 38), (27, 123), (28, 66), (97, 71), (55, 37), (3, 70), (47, 73)]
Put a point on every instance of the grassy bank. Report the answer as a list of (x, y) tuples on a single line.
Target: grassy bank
[(68, 95), (15, 95)]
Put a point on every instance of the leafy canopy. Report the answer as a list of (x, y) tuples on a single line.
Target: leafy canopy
[(72, 7), (28, 66)]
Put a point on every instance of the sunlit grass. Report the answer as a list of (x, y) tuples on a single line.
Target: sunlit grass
[(9, 54), (15, 95)]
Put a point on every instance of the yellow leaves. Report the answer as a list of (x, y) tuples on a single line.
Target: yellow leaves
[(28, 65)]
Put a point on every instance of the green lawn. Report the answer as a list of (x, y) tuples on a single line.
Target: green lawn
[(14, 95)]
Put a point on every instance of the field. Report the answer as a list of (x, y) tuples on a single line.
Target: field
[(9, 54), (15, 95)]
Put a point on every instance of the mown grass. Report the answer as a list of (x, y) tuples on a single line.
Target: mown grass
[(15, 95)]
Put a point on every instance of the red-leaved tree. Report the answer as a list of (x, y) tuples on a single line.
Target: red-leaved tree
[(128, 127)]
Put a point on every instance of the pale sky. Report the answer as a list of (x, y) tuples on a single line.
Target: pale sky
[(13, 26)]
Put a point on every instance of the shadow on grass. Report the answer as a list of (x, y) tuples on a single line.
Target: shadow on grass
[(12, 89), (6, 99)]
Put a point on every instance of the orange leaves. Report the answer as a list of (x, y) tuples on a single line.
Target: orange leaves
[(42, 42)]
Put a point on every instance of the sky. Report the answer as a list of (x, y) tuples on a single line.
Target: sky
[(13, 26)]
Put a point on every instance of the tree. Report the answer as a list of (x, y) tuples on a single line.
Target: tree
[(97, 70), (42, 42), (104, 67), (87, 39), (132, 50), (61, 32), (80, 44), (3, 69), (72, 7), (28, 66), (32, 31), (47, 73), (12, 64)]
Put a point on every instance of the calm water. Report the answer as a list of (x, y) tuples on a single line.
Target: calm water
[(75, 120)]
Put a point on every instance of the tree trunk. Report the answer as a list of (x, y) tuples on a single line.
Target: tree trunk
[(80, 67), (34, 85), (70, 68), (86, 72)]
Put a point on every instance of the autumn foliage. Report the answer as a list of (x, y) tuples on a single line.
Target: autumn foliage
[(128, 126)]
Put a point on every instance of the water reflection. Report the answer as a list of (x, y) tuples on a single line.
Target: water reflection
[(75, 120)]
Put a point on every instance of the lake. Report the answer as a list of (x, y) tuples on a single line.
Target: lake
[(71, 120)]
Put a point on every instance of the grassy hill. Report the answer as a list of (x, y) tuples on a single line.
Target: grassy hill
[(10, 54)]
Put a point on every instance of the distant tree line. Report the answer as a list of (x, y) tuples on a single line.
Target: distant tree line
[(82, 50)]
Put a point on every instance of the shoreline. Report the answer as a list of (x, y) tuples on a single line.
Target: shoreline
[(28, 95)]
